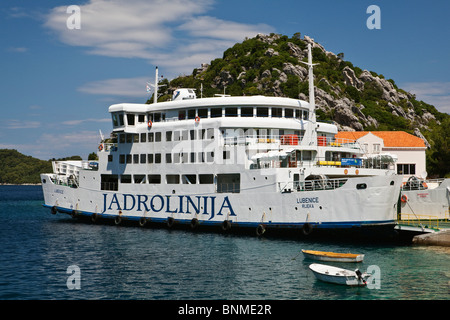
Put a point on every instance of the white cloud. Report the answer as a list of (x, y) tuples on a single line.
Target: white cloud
[(124, 87), (434, 93), (18, 49), (20, 124), (171, 33), (78, 122)]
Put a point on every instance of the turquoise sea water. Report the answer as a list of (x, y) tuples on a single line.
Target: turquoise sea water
[(123, 262)]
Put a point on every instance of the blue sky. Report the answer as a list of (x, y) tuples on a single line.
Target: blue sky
[(57, 83)]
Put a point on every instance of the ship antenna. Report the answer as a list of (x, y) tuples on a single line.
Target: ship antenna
[(312, 102), (156, 86)]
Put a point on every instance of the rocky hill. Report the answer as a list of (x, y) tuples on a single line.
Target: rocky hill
[(352, 98)]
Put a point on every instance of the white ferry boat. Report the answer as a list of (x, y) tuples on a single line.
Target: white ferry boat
[(231, 163)]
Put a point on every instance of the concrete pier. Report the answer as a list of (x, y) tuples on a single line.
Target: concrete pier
[(441, 238)]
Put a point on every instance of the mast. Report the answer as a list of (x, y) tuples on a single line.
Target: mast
[(312, 100), (155, 95), (310, 137)]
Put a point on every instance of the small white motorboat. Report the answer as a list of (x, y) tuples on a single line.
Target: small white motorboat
[(339, 276), (333, 256)]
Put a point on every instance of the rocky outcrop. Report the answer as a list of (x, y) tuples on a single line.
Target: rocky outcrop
[(350, 78), (353, 98)]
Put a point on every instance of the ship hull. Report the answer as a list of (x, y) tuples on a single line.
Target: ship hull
[(345, 210)]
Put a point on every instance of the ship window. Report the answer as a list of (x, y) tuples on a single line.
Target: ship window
[(191, 113), (168, 135), (184, 157), (143, 158), (109, 182), (205, 178), (150, 157), (143, 137), (189, 179), (121, 122), (201, 133), (176, 158), (288, 113), (306, 155), (192, 134), (157, 157), (277, 112), (151, 137), (110, 157), (135, 158), (192, 157), (157, 136), (360, 186), (210, 156), (136, 138), (125, 178), (181, 114), (247, 112), (157, 117), (129, 138), (262, 112), (202, 113), (176, 135), (216, 112), (115, 119), (168, 158), (201, 157), (231, 112), (122, 138), (128, 157), (130, 119), (184, 135), (154, 178), (305, 115), (173, 179), (141, 118), (226, 155), (122, 158), (229, 183), (139, 178), (298, 114)]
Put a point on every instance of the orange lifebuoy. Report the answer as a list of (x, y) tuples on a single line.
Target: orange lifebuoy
[(345, 171), (100, 147), (149, 123), (197, 119), (404, 198)]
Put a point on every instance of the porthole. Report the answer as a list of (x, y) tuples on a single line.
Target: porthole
[(361, 186)]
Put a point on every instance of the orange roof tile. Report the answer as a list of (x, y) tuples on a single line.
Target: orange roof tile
[(399, 139)]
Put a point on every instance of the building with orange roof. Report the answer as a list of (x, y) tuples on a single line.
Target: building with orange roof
[(409, 149)]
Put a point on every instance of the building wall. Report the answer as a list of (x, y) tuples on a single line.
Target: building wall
[(412, 161)]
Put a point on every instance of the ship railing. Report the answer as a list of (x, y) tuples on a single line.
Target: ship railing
[(418, 184), (311, 185), (107, 147), (426, 221), (288, 140)]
